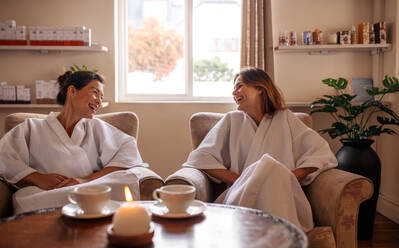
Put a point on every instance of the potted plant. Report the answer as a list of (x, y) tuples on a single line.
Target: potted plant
[(75, 68), (356, 123)]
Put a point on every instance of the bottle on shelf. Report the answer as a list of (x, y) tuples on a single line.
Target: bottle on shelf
[(372, 35), (354, 36)]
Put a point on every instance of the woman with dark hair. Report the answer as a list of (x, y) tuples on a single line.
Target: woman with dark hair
[(49, 156), (263, 152)]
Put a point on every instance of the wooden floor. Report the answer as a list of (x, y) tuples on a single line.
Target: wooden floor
[(386, 234)]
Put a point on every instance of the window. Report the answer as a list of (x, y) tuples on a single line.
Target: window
[(178, 49)]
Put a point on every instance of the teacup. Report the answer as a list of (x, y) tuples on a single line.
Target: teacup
[(91, 199), (177, 198)]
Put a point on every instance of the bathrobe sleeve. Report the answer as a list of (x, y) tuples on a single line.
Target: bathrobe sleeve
[(116, 148), (213, 152), (309, 149), (14, 154)]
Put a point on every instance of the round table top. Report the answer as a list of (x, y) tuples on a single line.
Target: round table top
[(219, 226)]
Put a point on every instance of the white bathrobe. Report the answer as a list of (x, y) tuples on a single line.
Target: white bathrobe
[(44, 146), (265, 156)]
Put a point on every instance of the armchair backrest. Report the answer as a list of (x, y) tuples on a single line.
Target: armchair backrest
[(127, 122), (202, 122)]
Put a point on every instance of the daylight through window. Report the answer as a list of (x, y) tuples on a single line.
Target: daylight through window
[(178, 49)]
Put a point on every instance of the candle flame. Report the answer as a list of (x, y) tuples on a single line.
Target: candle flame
[(128, 194)]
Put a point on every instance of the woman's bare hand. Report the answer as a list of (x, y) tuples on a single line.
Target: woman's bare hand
[(67, 182), (44, 181)]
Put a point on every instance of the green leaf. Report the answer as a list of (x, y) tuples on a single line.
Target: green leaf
[(342, 83), (347, 118), (326, 109), (75, 68), (387, 121), (388, 131)]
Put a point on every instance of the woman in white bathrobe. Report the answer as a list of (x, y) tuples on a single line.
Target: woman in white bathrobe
[(47, 158), (263, 152)]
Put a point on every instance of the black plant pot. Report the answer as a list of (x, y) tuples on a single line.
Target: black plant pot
[(359, 158)]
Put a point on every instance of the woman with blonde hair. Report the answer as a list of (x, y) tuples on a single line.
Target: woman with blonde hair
[(263, 152)]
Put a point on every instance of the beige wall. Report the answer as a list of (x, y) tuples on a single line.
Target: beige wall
[(164, 139), (388, 202)]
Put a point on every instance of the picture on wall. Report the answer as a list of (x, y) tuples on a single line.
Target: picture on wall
[(359, 87)]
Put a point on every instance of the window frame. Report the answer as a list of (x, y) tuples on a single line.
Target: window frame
[(121, 62)]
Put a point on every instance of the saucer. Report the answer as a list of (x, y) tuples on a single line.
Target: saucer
[(73, 211), (160, 210)]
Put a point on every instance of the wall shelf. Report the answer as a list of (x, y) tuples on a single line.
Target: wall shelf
[(38, 106), (325, 49), (46, 49)]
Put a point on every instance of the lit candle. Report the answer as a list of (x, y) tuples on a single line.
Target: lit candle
[(130, 218)]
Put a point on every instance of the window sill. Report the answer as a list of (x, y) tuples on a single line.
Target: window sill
[(289, 104)]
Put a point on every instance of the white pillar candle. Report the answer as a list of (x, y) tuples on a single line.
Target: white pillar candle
[(131, 218)]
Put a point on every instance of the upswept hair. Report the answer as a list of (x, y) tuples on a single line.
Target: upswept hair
[(258, 78), (78, 79)]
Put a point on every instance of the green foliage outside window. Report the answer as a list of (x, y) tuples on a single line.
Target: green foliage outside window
[(212, 70)]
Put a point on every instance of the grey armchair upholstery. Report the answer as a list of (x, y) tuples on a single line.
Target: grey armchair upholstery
[(127, 122), (335, 195)]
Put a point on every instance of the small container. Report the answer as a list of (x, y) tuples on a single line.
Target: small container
[(321, 38), (293, 38), (283, 38), (316, 38), (354, 35), (345, 38), (372, 35), (332, 38), (307, 38)]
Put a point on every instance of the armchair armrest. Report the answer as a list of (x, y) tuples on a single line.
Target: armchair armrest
[(148, 181), (5, 200), (195, 178), (335, 197)]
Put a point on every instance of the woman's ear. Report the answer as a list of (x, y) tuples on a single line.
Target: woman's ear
[(261, 90), (71, 90)]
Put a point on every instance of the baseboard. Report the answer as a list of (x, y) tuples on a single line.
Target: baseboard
[(388, 208)]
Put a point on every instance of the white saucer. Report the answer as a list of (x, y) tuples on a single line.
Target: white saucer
[(73, 211), (196, 208)]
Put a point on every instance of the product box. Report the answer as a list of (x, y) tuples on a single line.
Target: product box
[(23, 94), (380, 31), (46, 91), (2, 84), (9, 94), (359, 87), (87, 37)]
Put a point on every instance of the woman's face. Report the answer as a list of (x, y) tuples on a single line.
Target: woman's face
[(247, 97), (88, 100)]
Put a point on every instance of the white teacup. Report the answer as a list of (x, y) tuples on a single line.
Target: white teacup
[(91, 199), (177, 198)]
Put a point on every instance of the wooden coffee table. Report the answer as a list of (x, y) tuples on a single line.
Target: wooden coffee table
[(219, 226)]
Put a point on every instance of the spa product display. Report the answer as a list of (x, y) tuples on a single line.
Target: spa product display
[(364, 33), (13, 35), (11, 94), (46, 91), (59, 36)]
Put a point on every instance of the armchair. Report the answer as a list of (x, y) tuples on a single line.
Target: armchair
[(127, 122), (335, 195)]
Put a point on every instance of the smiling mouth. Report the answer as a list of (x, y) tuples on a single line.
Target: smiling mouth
[(238, 99), (93, 107)]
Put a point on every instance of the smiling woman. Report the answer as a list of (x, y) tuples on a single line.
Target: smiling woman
[(47, 158), (81, 93)]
